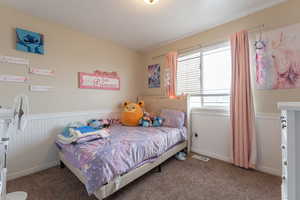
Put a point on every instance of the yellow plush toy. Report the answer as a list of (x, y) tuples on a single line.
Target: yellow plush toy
[(132, 113)]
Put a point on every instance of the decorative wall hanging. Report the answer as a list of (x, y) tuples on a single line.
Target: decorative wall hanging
[(13, 78), (154, 76), (39, 88), (29, 41), (14, 60), (278, 59), (40, 71), (99, 80)]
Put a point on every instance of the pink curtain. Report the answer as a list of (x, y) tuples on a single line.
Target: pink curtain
[(242, 108), (171, 70)]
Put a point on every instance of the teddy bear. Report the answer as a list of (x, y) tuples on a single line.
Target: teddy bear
[(132, 113)]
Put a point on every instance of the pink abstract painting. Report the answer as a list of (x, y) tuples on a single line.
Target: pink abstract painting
[(278, 59)]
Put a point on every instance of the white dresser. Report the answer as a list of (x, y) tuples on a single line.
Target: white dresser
[(290, 131)]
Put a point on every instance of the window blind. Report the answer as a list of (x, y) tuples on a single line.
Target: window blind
[(188, 74), (206, 75)]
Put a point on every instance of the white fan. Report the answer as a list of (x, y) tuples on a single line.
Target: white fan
[(11, 120)]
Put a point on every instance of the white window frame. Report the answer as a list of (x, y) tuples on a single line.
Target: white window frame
[(201, 51)]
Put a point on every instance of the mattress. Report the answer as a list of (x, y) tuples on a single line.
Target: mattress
[(102, 160)]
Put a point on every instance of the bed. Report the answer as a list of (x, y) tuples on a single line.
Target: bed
[(105, 166)]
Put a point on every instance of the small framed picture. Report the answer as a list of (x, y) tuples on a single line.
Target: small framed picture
[(154, 76), (29, 41)]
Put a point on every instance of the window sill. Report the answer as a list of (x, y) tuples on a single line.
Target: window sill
[(211, 109)]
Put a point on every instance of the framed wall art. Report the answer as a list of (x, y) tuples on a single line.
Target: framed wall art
[(29, 41), (99, 80), (154, 76)]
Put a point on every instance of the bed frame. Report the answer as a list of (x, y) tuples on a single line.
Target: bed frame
[(153, 104)]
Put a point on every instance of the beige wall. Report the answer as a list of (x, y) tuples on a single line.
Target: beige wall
[(277, 16), (67, 52)]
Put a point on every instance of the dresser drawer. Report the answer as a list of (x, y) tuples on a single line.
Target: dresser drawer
[(284, 171), (283, 130), (284, 187), (284, 152), (284, 137), (290, 148)]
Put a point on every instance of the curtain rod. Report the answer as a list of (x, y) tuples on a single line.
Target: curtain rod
[(198, 46)]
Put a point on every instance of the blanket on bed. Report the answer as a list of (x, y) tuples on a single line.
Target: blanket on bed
[(85, 133), (102, 160)]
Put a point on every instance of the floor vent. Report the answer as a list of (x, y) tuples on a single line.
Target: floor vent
[(202, 158)]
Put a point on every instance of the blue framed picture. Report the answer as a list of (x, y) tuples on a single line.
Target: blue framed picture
[(29, 41)]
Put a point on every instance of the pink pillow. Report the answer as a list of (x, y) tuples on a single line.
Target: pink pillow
[(172, 118)]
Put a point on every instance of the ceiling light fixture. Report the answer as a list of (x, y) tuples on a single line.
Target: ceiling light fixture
[(151, 1)]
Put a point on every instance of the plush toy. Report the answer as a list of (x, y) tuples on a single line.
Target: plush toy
[(99, 124), (146, 121), (132, 113), (105, 123), (149, 120), (95, 123), (157, 121)]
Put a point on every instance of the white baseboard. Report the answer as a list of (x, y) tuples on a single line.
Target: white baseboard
[(212, 155), (32, 170), (269, 170), (42, 167), (265, 169)]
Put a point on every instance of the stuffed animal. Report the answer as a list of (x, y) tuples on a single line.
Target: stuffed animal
[(132, 113), (95, 123), (99, 124), (106, 123), (157, 121), (149, 120), (146, 121)]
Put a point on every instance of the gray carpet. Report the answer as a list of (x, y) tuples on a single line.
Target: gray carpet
[(188, 180)]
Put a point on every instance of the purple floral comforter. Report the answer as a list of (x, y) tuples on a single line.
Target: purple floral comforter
[(102, 160)]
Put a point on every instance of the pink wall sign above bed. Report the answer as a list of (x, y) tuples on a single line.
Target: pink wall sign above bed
[(99, 80)]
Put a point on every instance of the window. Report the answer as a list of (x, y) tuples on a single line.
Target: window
[(206, 76)]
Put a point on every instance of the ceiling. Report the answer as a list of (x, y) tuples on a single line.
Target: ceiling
[(138, 25)]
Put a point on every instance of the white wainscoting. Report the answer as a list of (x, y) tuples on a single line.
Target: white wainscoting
[(214, 140), (34, 149)]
